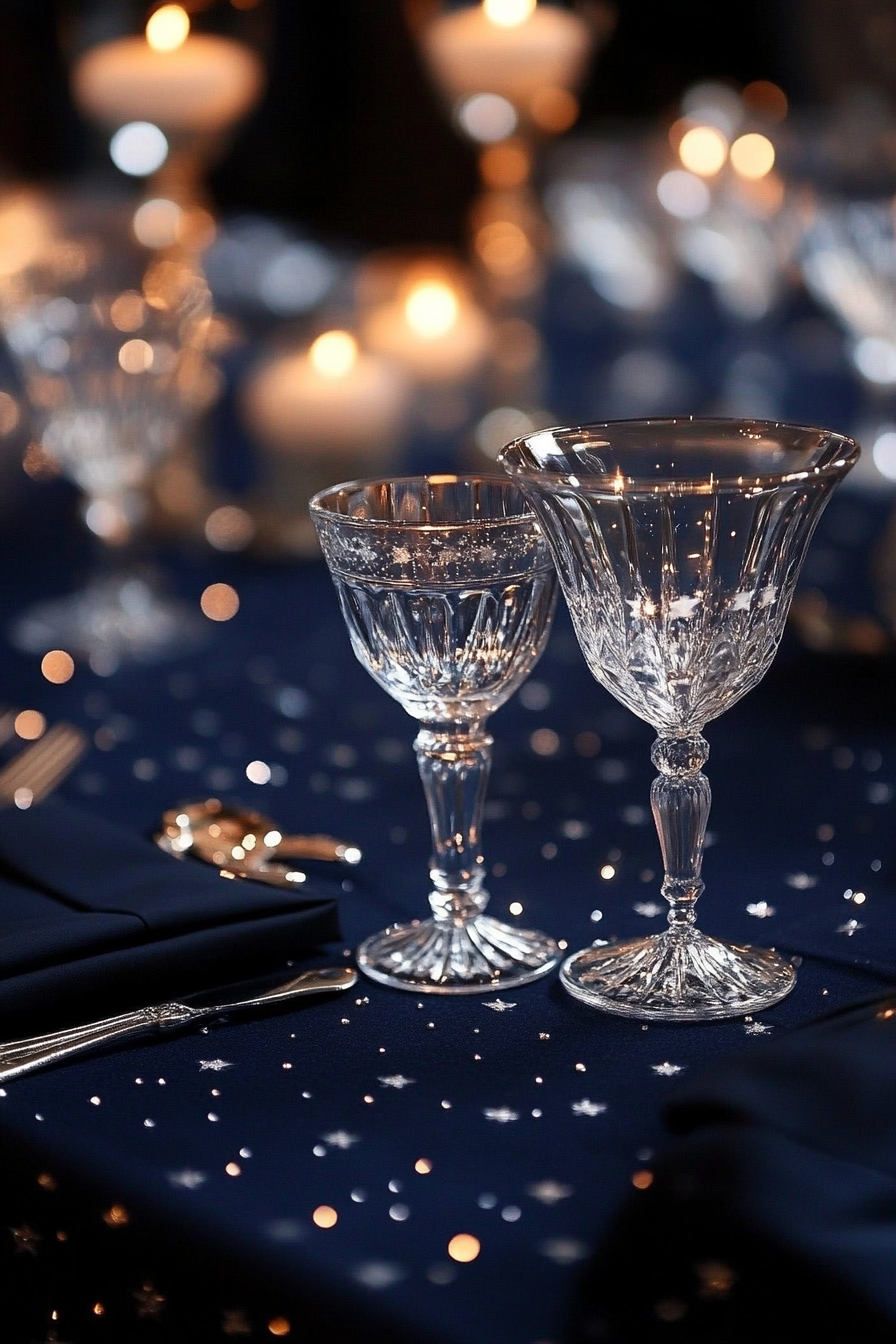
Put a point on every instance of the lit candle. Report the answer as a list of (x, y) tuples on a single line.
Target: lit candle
[(328, 399), (513, 48), (434, 330), (178, 80)]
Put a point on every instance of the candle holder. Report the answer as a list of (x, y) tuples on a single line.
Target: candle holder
[(109, 337)]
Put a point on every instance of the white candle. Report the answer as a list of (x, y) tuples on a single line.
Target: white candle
[(179, 81), (509, 47), (326, 400), (432, 328)]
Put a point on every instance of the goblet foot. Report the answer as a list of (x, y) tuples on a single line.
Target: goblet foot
[(678, 976), (116, 618), (477, 956)]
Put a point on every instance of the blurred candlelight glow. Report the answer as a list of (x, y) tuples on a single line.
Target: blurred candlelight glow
[(508, 13), (136, 356), (505, 166), (57, 666), (683, 194), (30, 724), (703, 150), (502, 247), (334, 354), (138, 148), (431, 309), (168, 28), (752, 156), (157, 223), (487, 117), (553, 110)]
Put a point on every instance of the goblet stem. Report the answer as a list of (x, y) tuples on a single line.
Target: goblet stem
[(454, 763), (680, 798)]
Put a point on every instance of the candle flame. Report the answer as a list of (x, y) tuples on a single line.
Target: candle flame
[(508, 13), (168, 28), (431, 309), (334, 354)]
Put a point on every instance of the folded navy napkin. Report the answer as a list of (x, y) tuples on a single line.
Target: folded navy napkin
[(772, 1215), (94, 919)]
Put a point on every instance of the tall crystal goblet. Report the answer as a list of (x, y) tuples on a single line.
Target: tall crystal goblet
[(448, 590), (679, 544)]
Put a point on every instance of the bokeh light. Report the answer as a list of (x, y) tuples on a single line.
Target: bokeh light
[(138, 148), (157, 223), (334, 354), (503, 247), (30, 724), (752, 155), (324, 1216), (168, 28), (220, 602), (703, 150), (229, 528), (683, 194), (431, 309), (58, 666), (127, 311), (553, 110), (765, 98), (505, 166), (9, 413), (136, 356), (464, 1247), (487, 117), (883, 452)]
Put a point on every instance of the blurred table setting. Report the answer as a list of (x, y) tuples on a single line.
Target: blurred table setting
[(280, 250)]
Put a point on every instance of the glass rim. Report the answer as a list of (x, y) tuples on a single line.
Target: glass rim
[(526, 514), (622, 484)]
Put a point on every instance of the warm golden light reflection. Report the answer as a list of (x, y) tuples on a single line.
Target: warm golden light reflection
[(57, 666), (229, 528), (334, 354), (766, 98), (168, 28), (127, 311), (508, 13), (220, 602), (117, 1216), (642, 1180), (324, 1216), (157, 223), (464, 1247), (9, 413), (505, 165), (135, 356), (703, 150), (30, 724), (431, 309), (752, 156), (37, 462), (554, 110), (279, 1326), (503, 247)]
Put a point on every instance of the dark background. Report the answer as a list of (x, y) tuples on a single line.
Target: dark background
[(350, 140)]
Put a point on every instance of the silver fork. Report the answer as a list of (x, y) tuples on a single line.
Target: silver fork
[(37, 770)]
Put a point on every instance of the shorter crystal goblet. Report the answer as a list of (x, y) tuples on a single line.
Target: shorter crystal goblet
[(448, 590)]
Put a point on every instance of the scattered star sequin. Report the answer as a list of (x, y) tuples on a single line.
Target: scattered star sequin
[(499, 1006), (586, 1107), (25, 1239), (396, 1080), (501, 1114), (340, 1138), (549, 1192), (187, 1179), (216, 1065), (760, 910), (757, 1028), (667, 1070), (850, 927), (149, 1301)]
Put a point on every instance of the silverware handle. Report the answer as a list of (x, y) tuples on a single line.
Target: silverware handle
[(18, 1057)]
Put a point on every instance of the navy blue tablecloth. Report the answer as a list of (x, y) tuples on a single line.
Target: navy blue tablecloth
[(519, 1120)]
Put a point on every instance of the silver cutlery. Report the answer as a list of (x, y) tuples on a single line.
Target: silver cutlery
[(38, 768), (36, 1052), (246, 843)]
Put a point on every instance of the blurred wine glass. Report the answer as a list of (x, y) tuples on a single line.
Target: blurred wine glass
[(107, 313)]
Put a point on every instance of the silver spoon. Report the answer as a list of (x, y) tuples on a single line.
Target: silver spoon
[(246, 843), (35, 1052)]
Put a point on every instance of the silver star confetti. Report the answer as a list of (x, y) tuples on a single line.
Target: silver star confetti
[(757, 1029), (667, 1070), (396, 1080), (761, 910), (340, 1138), (649, 909), (499, 1006), (187, 1179), (216, 1065), (502, 1114), (549, 1192), (850, 927), (586, 1107)]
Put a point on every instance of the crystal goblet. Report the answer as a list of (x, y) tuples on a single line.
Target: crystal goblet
[(679, 544), (448, 590)]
